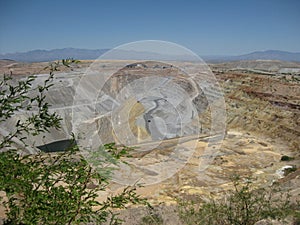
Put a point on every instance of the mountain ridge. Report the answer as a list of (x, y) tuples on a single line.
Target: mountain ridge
[(41, 55)]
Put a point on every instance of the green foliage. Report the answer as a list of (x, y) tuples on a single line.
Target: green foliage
[(118, 153), (53, 188), (286, 158), (46, 189), (107, 157), (243, 206)]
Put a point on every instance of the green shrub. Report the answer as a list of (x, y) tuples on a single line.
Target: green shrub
[(53, 189), (286, 158)]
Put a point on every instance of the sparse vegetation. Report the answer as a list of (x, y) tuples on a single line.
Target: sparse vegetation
[(152, 218), (52, 188), (245, 205)]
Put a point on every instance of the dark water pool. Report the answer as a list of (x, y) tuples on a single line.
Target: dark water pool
[(57, 146)]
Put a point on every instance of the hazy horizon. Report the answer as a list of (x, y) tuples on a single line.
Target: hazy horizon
[(89, 49), (206, 28)]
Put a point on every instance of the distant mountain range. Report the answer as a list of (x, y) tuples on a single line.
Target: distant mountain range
[(56, 54), (270, 55)]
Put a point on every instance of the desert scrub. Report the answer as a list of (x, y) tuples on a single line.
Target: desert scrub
[(153, 217), (53, 188), (244, 205)]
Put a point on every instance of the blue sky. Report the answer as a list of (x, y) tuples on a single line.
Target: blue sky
[(206, 27)]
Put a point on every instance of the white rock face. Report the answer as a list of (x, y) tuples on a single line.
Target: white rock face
[(281, 172), (290, 70), (145, 101)]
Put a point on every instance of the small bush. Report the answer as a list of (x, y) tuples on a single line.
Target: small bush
[(286, 158)]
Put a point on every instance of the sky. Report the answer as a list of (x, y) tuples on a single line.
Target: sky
[(210, 27)]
